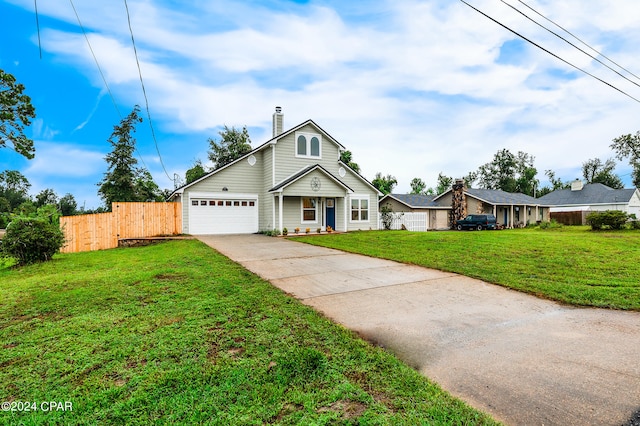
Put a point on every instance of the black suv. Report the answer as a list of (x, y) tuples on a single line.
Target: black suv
[(476, 221)]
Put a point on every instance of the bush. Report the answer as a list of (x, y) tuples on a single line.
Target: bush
[(552, 224), (612, 219), (32, 239)]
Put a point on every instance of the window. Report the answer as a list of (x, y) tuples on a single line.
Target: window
[(194, 202), (236, 203), (315, 147), (360, 208), (308, 209), (203, 202), (302, 145), (308, 145), (212, 203)]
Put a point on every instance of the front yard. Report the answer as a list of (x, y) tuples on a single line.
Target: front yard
[(175, 333), (572, 264)]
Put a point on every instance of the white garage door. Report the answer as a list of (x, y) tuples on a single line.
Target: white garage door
[(227, 215)]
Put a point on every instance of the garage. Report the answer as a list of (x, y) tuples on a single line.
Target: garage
[(229, 215)]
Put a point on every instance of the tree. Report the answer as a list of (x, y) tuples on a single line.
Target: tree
[(346, 158), (195, 172), (418, 186), (233, 144), (384, 184), (16, 113), (68, 205), (46, 197), (444, 184), (628, 146), (509, 172), (556, 183), (145, 188), (123, 180), (14, 189), (594, 171)]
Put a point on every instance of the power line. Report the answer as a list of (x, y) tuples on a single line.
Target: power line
[(104, 80), (35, 3), (144, 92), (95, 59), (549, 52), (568, 42), (579, 39)]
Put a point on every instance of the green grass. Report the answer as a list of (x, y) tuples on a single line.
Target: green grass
[(572, 264), (176, 333)]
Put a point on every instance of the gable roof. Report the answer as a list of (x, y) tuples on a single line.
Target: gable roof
[(414, 201), (591, 193), (498, 196), (270, 142), (302, 173)]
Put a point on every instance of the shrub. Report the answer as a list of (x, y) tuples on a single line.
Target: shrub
[(552, 224), (32, 239), (285, 231), (613, 219), (386, 216)]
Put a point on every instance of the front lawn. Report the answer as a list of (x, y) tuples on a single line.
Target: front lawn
[(175, 333), (571, 264)]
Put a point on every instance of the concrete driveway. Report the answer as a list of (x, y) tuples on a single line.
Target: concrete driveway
[(524, 360)]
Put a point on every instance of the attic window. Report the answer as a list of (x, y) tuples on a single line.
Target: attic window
[(308, 145)]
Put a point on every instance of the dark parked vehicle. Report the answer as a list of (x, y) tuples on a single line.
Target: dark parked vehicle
[(476, 221)]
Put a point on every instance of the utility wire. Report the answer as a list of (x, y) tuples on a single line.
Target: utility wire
[(549, 52), (579, 39), (568, 42), (35, 3), (95, 59), (115, 105), (144, 92)]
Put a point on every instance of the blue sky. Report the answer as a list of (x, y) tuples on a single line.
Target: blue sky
[(412, 88)]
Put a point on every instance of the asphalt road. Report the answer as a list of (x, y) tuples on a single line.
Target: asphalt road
[(524, 360)]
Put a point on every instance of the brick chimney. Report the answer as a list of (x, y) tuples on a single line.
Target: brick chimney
[(278, 119)]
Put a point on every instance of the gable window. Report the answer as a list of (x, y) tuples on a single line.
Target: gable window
[(308, 145), (359, 208), (309, 211)]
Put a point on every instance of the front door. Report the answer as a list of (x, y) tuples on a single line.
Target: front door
[(331, 213)]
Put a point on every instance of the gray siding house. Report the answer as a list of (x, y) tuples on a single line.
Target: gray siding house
[(584, 199), (294, 180)]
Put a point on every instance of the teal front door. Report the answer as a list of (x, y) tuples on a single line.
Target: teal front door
[(330, 212)]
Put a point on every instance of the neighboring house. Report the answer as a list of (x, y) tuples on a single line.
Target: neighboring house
[(294, 180), (575, 204), (511, 209), (437, 216)]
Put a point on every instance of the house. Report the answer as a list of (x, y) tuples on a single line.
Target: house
[(573, 205), (294, 180), (437, 215), (511, 209)]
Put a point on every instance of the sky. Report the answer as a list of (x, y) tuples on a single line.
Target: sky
[(411, 88)]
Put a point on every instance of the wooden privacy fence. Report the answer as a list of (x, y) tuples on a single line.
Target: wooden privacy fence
[(126, 220)]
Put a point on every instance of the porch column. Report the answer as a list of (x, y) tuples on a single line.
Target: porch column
[(273, 210), (280, 198), (537, 214), (346, 211), (512, 216)]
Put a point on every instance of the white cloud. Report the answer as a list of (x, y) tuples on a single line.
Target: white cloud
[(66, 160)]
